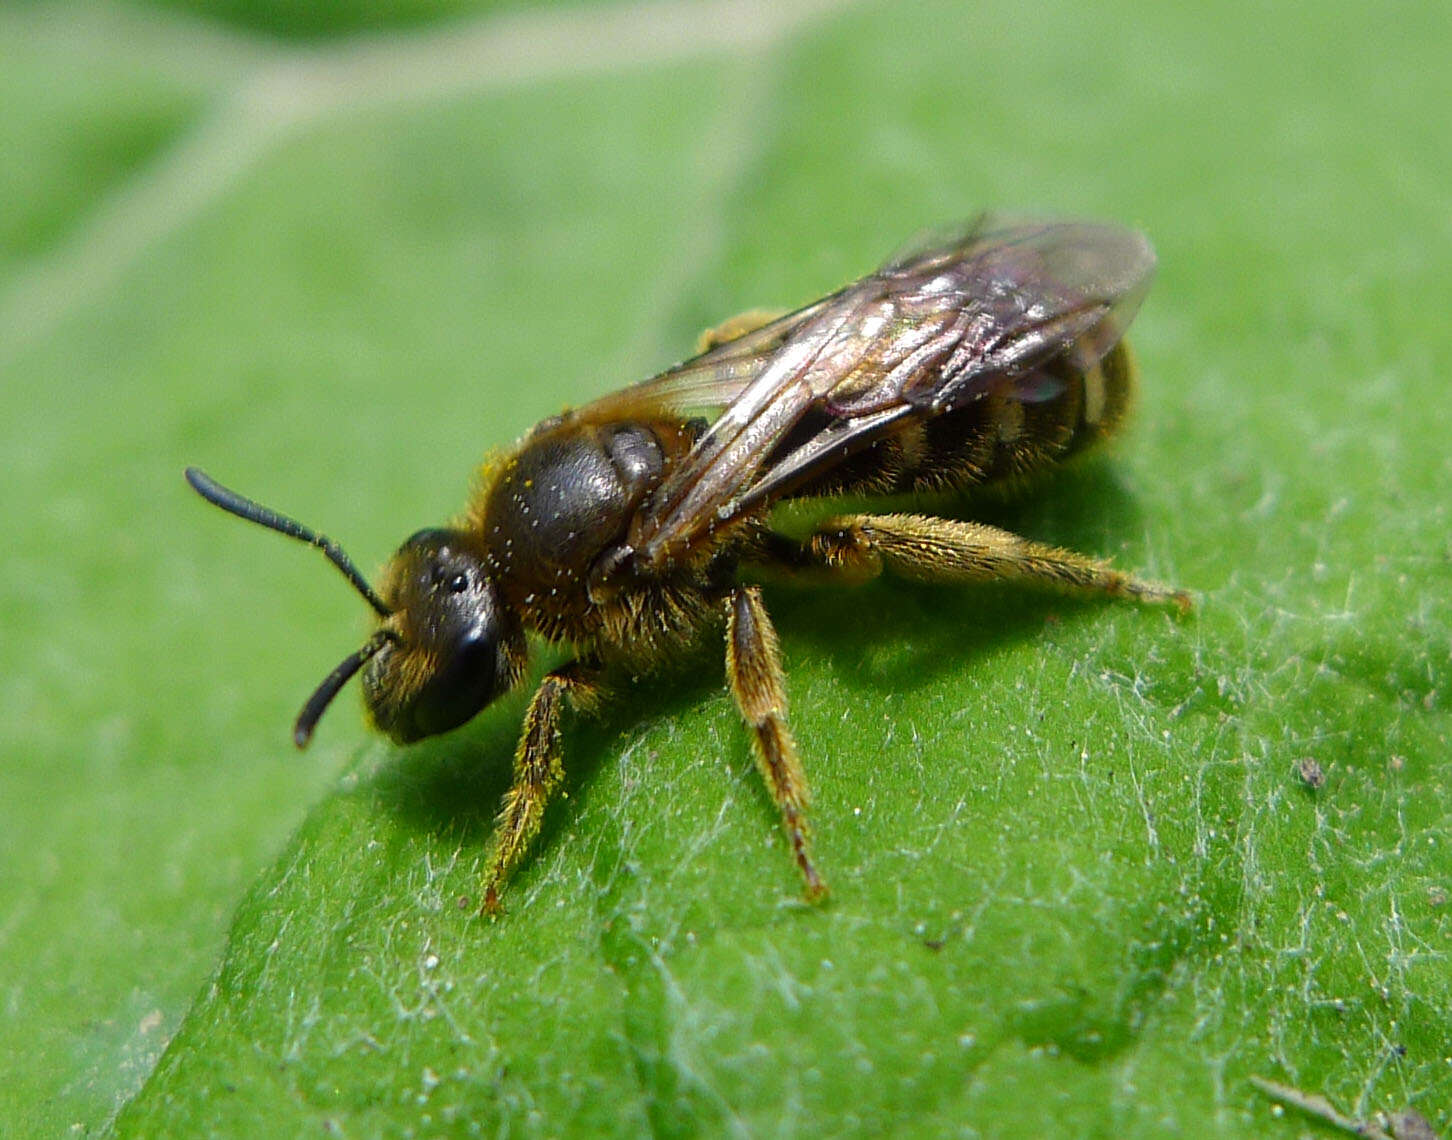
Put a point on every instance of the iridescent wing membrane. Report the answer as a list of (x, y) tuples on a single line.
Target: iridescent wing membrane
[(954, 319)]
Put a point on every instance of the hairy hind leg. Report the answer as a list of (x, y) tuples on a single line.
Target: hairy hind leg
[(929, 549)]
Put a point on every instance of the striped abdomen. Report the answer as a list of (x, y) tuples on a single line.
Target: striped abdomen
[(1021, 432)]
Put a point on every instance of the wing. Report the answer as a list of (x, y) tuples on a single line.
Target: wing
[(952, 320), (706, 384)]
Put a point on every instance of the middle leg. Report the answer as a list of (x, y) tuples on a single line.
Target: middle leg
[(735, 327), (753, 668)]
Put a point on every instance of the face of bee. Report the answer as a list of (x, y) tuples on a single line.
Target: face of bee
[(452, 648)]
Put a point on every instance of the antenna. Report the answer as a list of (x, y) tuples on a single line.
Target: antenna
[(245, 508), (307, 720)]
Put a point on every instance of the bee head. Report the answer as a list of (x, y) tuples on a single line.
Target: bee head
[(448, 646), (444, 647)]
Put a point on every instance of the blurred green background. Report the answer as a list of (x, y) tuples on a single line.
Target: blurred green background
[(335, 251)]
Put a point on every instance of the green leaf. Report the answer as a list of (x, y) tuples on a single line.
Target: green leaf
[(1079, 885)]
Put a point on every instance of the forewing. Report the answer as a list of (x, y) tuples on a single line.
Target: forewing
[(769, 393), (707, 384), (982, 312), (951, 321), (992, 304)]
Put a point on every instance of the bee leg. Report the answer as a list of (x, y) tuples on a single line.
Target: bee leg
[(753, 669), (945, 550), (537, 770), (737, 326)]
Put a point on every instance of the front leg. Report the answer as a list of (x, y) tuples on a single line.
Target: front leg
[(537, 770), (753, 668)]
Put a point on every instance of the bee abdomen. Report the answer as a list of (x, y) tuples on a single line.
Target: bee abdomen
[(1015, 433), (1009, 435)]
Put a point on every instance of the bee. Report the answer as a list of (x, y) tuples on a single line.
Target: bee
[(629, 527)]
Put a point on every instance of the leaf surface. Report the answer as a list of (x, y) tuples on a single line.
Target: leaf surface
[(1080, 885)]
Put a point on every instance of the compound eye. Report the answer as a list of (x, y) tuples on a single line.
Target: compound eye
[(440, 573)]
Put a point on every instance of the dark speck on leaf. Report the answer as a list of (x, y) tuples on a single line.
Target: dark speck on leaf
[(1309, 769)]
